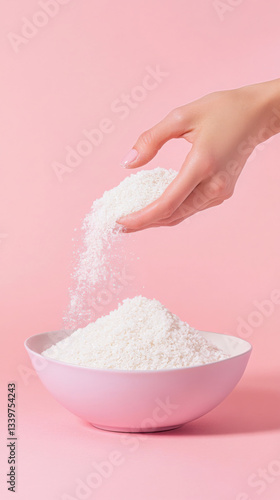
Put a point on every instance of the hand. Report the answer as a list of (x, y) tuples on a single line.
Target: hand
[(223, 128)]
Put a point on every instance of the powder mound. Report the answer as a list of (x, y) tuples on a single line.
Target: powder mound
[(141, 334), (134, 192), (102, 254)]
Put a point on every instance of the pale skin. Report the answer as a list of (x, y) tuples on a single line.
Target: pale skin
[(224, 128)]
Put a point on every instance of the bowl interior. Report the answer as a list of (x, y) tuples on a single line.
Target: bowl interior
[(233, 346)]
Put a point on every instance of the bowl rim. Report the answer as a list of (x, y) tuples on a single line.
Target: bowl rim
[(127, 371)]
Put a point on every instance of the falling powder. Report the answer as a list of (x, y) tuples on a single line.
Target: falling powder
[(141, 334), (102, 256)]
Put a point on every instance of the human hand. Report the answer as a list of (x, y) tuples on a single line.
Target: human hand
[(223, 128)]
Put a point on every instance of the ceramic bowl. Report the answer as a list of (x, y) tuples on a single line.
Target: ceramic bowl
[(140, 401)]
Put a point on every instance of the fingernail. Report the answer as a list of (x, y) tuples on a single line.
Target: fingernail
[(129, 158)]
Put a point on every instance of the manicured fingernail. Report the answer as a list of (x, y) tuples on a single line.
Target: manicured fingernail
[(129, 158)]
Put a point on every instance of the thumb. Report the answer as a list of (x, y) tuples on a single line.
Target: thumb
[(148, 144)]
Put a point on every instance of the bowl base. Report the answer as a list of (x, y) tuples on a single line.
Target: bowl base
[(136, 429)]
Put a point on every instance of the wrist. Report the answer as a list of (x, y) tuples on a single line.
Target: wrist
[(265, 98)]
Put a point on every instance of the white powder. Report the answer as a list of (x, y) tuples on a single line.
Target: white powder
[(140, 335), (102, 256)]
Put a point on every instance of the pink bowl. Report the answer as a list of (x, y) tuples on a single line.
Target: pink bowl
[(140, 401)]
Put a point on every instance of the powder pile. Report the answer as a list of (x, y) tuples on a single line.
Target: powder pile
[(141, 334), (102, 255)]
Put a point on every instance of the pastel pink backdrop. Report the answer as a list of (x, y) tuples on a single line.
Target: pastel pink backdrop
[(210, 271)]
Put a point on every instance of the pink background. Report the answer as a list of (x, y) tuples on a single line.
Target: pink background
[(61, 81)]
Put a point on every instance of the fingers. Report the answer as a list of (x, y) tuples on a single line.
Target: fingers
[(148, 144), (210, 192), (192, 204), (185, 182), (196, 202), (177, 216)]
